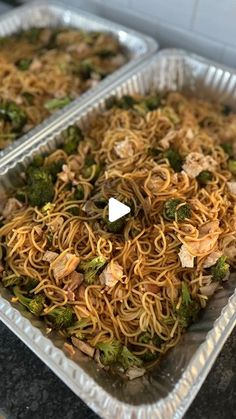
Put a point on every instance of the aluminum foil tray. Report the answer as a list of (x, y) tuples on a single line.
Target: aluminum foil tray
[(167, 391), (50, 13)]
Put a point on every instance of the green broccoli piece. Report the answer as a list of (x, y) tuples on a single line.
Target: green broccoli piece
[(91, 268), (226, 110), (111, 102), (115, 226), (110, 351), (170, 210), (61, 317), (128, 359), (40, 189), (105, 53), (145, 337), (28, 97), (72, 137), (32, 34), (23, 64), (228, 149), (187, 313), (84, 69), (232, 166), (149, 355), (152, 102), (59, 103), (89, 170), (175, 159), (35, 304), (10, 279), (154, 152), (126, 102), (185, 294), (10, 111), (204, 177), (54, 168), (21, 195), (77, 329), (220, 269), (79, 193), (37, 161)]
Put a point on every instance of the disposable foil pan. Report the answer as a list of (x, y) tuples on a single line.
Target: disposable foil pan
[(50, 13), (167, 391)]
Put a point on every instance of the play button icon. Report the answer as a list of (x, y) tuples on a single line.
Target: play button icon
[(116, 210)]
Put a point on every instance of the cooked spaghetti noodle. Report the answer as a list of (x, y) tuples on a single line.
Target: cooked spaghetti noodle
[(134, 285), (43, 69)]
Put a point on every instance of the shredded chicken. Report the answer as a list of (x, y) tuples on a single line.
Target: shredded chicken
[(74, 281), (69, 349), (66, 175), (209, 289), (186, 259), (124, 149), (211, 259), (135, 372), (83, 346), (62, 266), (12, 205), (232, 187), (50, 256), (80, 293), (206, 241), (112, 274), (196, 162), (166, 141)]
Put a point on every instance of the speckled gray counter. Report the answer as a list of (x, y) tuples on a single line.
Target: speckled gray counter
[(29, 390)]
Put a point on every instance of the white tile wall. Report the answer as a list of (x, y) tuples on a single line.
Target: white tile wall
[(206, 27), (180, 11)]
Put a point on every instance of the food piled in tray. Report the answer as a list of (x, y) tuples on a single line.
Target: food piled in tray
[(44, 69), (123, 292)]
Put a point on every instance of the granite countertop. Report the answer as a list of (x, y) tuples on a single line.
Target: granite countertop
[(29, 390)]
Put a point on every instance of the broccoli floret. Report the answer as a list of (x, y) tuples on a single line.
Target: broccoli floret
[(204, 177), (10, 111), (232, 166), (115, 226), (23, 64), (187, 313), (40, 188), (72, 137), (125, 102), (226, 110), (77, 329), (21, 195), (228, 149), (28, 97), (220, 269), (152, 102), (154, 152), (59, 103), (10, 279), (145, 337), (185, 294), (35, 304), (79, 193), (75, 210), (92, 172), (110, 351), (61, 317), (84, 69), (54, 168), (171, 210), (91, 268), (175, 159), (128, 359), (37, 161), (149, 356), (105, 53)]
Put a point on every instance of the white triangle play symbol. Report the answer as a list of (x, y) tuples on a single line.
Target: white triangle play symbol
[(116, 209)]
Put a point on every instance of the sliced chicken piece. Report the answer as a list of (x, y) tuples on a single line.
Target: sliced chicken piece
[(211, 259), (66, 175), (50, 256), (209, 289), (12, 205), (232, 187), (124, 149), (153, 288), (38, 230), (135, 372), (69, 349), (64, 265), (186, 259), (75, 279), (195, 163), (83, 346), (56, 224), (36, 65), (112, 274), (206, 241), (166, 141)]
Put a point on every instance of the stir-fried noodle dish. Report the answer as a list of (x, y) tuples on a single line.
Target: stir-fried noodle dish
[(44, 69), (123, 292)]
